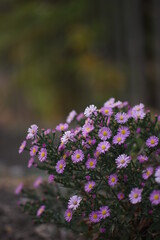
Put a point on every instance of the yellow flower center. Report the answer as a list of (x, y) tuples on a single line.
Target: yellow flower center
[(62, 127), (119, 139), (34, 150), (156, 197), (68, 214), (89, 142), (103, 147), (135, 195), (97, 153), (91, 164), (113, 179), (104, 212), (42, 154), (78, 156), (90, 186), (88, 129), (75, 203), (152, 141), (104, 133), (122, 161), (95, 216), (121, 117), (64, 156), (60, 166), (123, 132), (148, 173), (106, 111)]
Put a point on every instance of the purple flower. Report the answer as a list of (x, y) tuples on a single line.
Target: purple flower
[(104, 133), (22, 147), (62, 127), (33, 151), (30, 162), (122, 161), (118, 139), (40, 210), (106, 111), (110, 103), (42, 154), (112, 181), (157, 175), (104, 212), (147, 173), (32, 131), (152, 141), (90, 110), (94, 217), (60, 166), (155, 197), (87, 128), (103, 147), (89, 186), (142, 158), (80, 117), (37, 182), (68, 215), (91, 163), (121, 117), (67, 136), (74, 202), (71, 116), (77, 156), (120, 196), (124, 131), (18, 189), (51, 178), (138, 114), (135, 195)]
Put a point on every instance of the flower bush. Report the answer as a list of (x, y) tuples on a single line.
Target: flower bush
[(104, 173)]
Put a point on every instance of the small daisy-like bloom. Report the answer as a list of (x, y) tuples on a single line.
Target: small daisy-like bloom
[(155, 197), (68, 215), (94, 217), (74, 202), (46, 132), (80, 117), (62, 127), (32, 131), (30, 162), (152, 141), (71, 116), (60, 166), (104, 212), (120, 196), (89, 186), (112, 181), (33, 151), (87, 128), (122, 161), (157, 175), (37, 182), (22, 147), (96, 154), (147, 173), (124, 131), (67, 136), (77, 156), (91, 163), (121, 117), (103, 147), (119, 139), (42, 154), (18, 189), (89, 110), (142, 158), (51, 178), (109, 103), (40, 210), (135, 195), (138, 107), (106, 111), (138, 114), (104, 133)]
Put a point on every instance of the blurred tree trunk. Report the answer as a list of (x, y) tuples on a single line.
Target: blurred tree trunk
[(135, 50), (157, 48)]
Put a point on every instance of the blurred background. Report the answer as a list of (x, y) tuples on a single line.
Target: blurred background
[(59, 55)]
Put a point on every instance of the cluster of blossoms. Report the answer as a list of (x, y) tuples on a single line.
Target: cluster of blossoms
[(110, 164)]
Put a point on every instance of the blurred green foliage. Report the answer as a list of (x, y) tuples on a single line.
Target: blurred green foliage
[(57, 55)]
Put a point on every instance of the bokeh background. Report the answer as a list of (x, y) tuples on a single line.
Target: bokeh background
[(59, 55)]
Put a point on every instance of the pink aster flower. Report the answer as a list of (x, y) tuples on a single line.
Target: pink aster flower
[(142, 158), (89, 186), (118, 139), (106, 111), (80, 117), (30, 162), (71, 116), (147, 173), (104, 133), (91, 163), (110, 103), (51, 178), (94, 217), (87, 128), (40, 210), (124, 131), (121, 117), (138, 114), (22, 147), (60, 166), (135, 195), (122, 161), (103, 147), (33, 151), (67, 136), (32, 131), (155, 197), (74, 202), (112, 181), (90, 110), (18, 189), (157, 175), (96, 154), (37, 182), (42, 154), (46, 132), (62, 127), (68, 215), (77, 156), (152, 141), (120, 196), (104, 212), (138, 107)]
